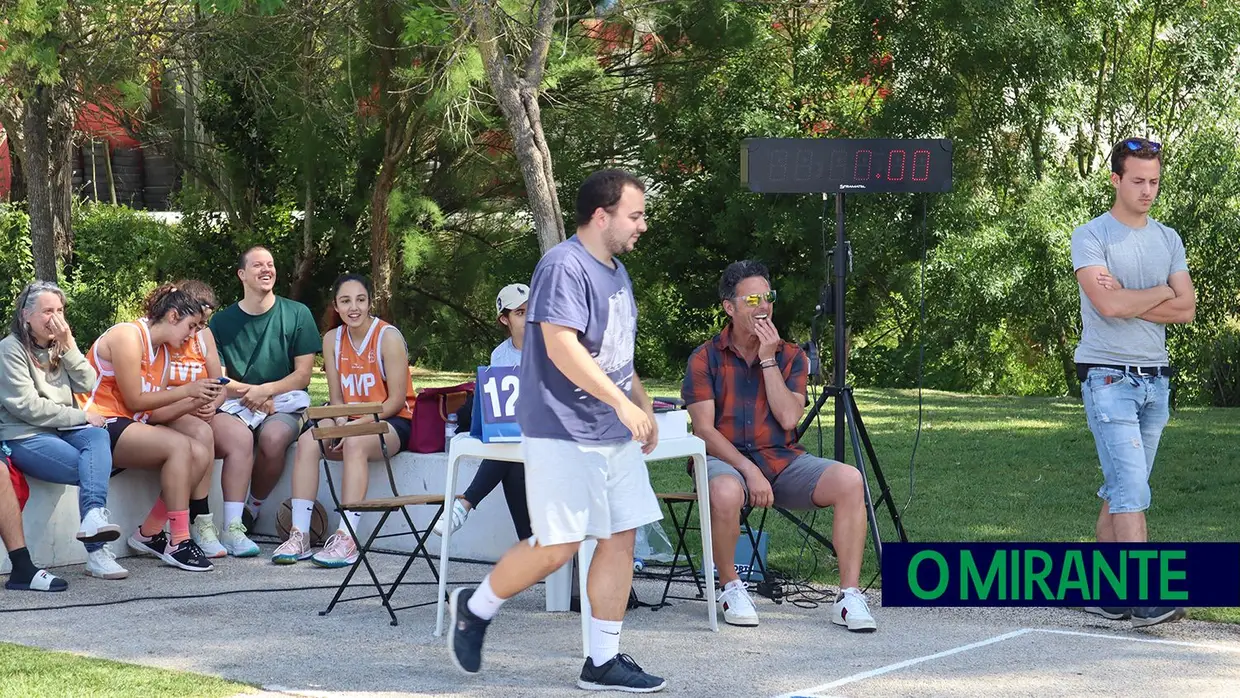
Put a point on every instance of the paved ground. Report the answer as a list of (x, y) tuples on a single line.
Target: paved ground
[(277, 640)]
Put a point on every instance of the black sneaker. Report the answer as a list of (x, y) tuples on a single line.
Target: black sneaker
[(187, 556), (621, 673), (156, 545), (465, 632), (247, 519), (1142, 617), (1110, 613)]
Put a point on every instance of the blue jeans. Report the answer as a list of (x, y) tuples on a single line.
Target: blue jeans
[(1126, 413), (81, 457)]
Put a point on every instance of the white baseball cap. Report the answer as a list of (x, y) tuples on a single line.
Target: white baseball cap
[(511, 297)]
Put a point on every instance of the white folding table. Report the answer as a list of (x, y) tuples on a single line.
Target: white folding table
[(464, 445)]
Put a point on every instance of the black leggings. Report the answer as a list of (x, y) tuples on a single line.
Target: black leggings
[(492, 473)]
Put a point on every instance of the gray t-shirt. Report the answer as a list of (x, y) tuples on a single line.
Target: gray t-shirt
[(1139, 259), (506, 354), (573, 289)]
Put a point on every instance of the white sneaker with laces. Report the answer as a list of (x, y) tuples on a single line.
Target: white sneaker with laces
[(96, 528), (458, 515), (102, 564), (203, 533), (738, 608), (852, 611), (234, 540)]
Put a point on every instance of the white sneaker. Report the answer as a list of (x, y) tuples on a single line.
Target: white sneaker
[(458, 515), (235, 541), (293, 550), (203, 533), (851, 611), (102, 564), (96, 528), (738, 608)]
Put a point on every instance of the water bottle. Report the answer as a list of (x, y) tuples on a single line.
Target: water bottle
[(449, 429), (638, 564)]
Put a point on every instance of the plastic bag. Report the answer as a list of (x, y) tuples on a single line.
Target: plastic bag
[(652, 544)]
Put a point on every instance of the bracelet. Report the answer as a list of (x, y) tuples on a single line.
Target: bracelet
[(769, 363)]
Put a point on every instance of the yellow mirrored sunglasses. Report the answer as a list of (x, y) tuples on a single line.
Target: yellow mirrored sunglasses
[(754, 299)]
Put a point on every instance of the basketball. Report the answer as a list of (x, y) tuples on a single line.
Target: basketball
[(318, 522)]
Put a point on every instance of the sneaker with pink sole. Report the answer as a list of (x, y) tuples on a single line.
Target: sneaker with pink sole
[(339, 551)]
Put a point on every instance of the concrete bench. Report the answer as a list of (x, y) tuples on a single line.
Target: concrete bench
[(50, 518)]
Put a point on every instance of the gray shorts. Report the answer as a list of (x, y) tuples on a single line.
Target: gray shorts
[(294, 420), (793, 487)]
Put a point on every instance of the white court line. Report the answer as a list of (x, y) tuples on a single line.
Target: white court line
[(1178, 643), (999, 638), (906, 663)]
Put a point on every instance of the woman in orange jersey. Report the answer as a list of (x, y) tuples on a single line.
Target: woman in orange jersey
[(366, 360), (132, 361), (194, 360)]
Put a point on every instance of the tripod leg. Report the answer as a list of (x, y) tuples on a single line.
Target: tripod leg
[(851, 408), (884, 491)]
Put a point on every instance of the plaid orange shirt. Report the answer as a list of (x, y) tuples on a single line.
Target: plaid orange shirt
[(717, 372)]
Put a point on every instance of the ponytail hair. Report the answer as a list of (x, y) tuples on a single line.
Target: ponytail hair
[(170, 297), (331, 319), (200, 291)]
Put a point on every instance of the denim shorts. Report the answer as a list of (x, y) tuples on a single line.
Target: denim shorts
[(1126, 413)]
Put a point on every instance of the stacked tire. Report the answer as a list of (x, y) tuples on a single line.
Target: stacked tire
[(159, 180), (127, 176), (94, 185)]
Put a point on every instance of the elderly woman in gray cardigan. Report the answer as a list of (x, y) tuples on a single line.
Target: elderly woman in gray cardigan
[(42, 430)]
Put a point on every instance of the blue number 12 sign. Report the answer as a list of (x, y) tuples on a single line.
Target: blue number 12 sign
[(495, 403)]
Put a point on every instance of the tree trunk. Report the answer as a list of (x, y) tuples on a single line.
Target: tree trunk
[(305, 258), (36, 133), (518, 100), (380, 246)]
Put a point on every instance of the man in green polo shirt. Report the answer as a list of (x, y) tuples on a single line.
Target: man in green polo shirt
[(267, 345)]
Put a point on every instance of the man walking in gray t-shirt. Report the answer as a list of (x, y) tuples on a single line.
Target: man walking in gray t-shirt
[(586, 421), (1134, 281)]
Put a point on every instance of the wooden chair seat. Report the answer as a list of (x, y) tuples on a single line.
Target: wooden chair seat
[(388, 503), (676, 496)]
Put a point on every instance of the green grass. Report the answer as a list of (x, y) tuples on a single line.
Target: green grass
[(31, 673), (1006, 469)]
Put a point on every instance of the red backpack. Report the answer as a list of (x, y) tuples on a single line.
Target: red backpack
[(431, 408)]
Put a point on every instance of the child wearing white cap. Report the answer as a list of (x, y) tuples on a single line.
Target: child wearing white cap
[(510, 307)]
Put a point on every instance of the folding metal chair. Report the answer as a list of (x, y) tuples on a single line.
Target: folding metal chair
[(681, 526), (385, 506)]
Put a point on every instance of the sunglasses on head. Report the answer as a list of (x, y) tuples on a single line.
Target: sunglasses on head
[(754, 299), (1137, 144)]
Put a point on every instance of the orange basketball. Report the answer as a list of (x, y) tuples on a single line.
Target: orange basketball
[(318, 522)]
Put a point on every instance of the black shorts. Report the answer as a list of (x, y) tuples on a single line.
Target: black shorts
[(402, 426), (116, 426)]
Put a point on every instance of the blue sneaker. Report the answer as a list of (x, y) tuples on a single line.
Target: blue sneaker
[(620, 673), (465, 632)]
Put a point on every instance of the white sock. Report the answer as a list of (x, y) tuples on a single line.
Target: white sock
[(355, 517), (604, 640), (254, 505), (484, 603), (302, 511), (232, 512)]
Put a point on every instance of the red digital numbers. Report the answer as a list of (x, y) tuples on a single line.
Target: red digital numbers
[(863, 158), (921, 159), (894, 157)]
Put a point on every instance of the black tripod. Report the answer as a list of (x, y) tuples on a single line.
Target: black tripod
[(847, 415)]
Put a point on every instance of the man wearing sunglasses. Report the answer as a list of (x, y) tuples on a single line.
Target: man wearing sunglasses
[(1134, 282), (745, 390)]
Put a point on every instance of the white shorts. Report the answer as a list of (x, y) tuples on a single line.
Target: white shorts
[(577, 490)]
